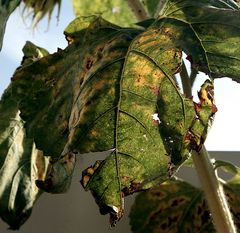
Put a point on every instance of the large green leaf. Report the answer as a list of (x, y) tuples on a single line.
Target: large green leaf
[(20, 165), (107, 92), (177, 206), (6, 8), (207, 31)]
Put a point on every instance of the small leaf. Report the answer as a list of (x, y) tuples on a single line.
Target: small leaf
[(59, 176), (20, 165), (226, 166), (32, 53)]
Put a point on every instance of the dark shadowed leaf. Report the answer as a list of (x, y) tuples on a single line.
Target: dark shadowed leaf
[(6, 8), (176, 206), (20, 165)]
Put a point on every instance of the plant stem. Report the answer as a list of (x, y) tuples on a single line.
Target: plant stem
[(186, 84), (212, 188), (160, 8), (214, 193), (193, 76), (138, 9)]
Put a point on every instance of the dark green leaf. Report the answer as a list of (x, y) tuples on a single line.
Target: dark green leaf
[(20, 165), (172, 207), (6, 8), (207, 31), (32, 53)]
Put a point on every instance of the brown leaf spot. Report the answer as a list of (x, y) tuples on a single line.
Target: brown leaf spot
[(85, 180), (189, 58)]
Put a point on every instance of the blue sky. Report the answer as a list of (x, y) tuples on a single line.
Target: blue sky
[(224, 134)]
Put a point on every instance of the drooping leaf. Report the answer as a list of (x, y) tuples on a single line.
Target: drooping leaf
[(226, 166), (6, 8), (207, 31), (177, 206), (20, 165), (103, 93), (59, 176), (115, 11)]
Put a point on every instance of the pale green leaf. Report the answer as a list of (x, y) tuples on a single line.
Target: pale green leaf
[(20, 165), (115, 11), (6, 8)]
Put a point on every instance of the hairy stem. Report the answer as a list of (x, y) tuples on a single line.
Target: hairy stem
[(138, 9), (214, 193)]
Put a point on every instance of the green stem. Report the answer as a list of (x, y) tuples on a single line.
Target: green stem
[(214, 193), (186, 84), (193, 76), (160, 8), (212, 188), (138, 9)]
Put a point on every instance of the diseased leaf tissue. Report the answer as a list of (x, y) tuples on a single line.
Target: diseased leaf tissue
[(113, 89)]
